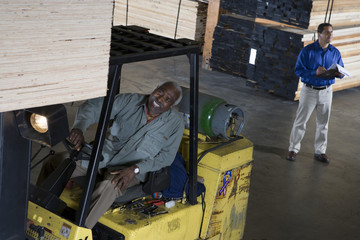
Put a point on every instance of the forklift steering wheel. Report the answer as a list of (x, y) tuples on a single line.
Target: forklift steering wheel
[(83, 154)]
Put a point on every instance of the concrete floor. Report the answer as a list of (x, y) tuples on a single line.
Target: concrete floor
[(301, 200)]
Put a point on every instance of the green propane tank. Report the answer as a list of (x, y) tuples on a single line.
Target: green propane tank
[(216, 117)]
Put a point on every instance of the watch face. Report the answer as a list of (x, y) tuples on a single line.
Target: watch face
[(136, 170)]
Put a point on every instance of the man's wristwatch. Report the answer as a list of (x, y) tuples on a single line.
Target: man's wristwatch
[(136, 170)]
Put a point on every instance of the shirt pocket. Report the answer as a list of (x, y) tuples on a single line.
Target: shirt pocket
[(151, 144), (119, 132)]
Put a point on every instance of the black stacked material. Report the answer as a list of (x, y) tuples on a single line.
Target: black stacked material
[(277, 52), (291, 12), (242, 7), (134, 43), (231, 45)]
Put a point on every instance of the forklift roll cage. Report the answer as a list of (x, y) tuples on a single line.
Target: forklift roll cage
[(134, 44)]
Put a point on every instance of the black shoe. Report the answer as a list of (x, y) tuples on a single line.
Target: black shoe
[(291, 156), (322, 158)]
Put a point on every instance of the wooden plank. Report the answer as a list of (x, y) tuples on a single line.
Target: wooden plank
[(52, 52), (171, 18), (211, 22)]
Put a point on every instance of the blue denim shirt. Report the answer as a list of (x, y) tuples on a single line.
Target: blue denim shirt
[(311, 57)]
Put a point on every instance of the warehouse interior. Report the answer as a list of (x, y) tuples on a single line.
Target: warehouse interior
[(304, 199)]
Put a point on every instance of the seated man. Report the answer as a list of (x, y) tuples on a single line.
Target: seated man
[(145, 135)]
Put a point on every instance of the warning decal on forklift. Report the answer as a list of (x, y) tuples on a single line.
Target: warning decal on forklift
[(65, 230), (226, 181)]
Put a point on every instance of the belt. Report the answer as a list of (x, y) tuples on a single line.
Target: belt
[(316, 88)]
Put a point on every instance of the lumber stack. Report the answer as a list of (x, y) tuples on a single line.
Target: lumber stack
[(306, 14), (265, 51), (170, 18), (231, 45), (275, 49), (274, 64), (285, 11), (344, 13), (53, 51)]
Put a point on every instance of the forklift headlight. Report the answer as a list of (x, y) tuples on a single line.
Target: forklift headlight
[(46, 125), (39, 123)]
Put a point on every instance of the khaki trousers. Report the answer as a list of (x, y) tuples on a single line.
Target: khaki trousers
[(311, 99), (104, 193), (103, 196)]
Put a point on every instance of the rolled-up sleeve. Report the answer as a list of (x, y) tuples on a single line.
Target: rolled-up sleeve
[(88, 113)]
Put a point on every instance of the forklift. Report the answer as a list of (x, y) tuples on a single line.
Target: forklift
[(213, 149)]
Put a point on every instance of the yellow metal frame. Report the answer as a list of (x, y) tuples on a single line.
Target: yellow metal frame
[(181, 222), (55, 226), (226, 172), (174, 225)]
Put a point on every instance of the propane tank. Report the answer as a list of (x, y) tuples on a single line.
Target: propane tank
[(216, 117)]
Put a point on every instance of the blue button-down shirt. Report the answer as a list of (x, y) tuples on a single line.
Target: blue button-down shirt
[(311, 57)]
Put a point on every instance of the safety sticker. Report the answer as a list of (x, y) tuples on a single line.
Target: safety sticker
[(65, 230), (226, 181)]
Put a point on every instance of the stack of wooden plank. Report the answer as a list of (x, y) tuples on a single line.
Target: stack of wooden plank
[(171, 18), (231, 48), (344, 13), (240, 7), (265, 51), (286, 11), (53, 51), (304, 14), (275, 53)]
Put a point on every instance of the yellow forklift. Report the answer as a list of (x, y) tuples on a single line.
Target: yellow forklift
[(212, 147)]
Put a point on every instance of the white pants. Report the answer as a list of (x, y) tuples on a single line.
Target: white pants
[(311, 99)]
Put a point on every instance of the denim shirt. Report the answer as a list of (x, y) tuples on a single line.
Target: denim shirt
[(311, 57), (130, 140)]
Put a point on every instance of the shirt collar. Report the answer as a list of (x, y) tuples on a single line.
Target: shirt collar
[(144, 100), (317, 44)]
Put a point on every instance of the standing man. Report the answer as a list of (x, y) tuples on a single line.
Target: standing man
[(316, 93)]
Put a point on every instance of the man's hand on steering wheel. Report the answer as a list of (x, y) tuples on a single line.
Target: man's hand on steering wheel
[(77, 138)]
